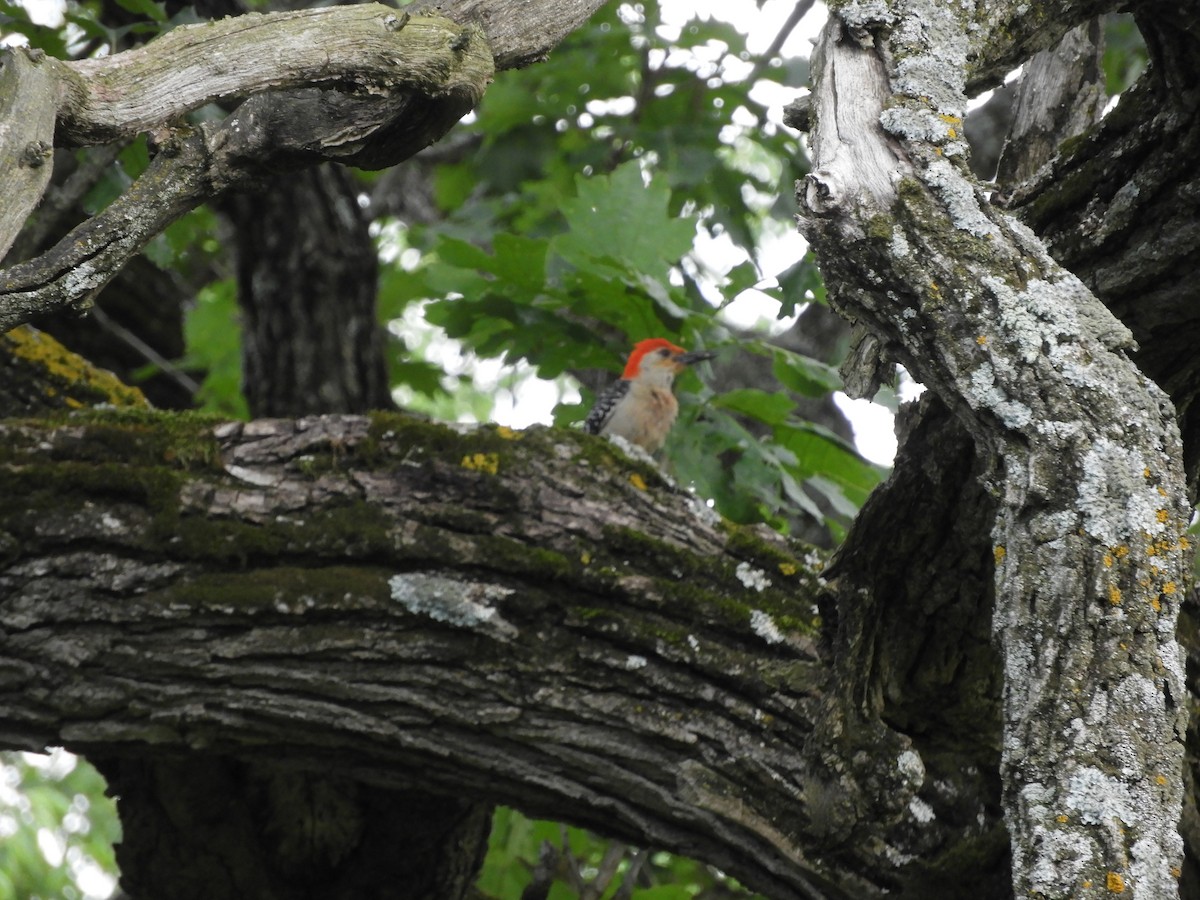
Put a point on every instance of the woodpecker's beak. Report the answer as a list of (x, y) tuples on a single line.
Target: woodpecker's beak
[(687, 359)]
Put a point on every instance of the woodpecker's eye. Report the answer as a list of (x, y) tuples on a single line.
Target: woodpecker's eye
[(664, 352)]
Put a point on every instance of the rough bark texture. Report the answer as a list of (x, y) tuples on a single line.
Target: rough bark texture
[(1120, 208), (1061, 96), (306, 275), (500, 617), (1091, 562), (463, 614), (27, 112)]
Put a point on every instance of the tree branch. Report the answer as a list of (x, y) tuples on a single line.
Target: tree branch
[(27, 114), (369, 48), (416, 76), (515, 617)]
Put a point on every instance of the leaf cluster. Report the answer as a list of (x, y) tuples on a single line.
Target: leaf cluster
[(529, 857), (57, 828), (570, 232)]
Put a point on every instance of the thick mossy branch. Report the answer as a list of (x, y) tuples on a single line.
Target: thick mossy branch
[(411, 596)]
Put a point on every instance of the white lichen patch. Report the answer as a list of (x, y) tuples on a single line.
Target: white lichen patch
[(1047, 313), (635, 662), (1114, 498), (962, 202), (463, 604), (764, 626), (984, 393), (1153, 858), (912, 768), (1062, 859), (752, 578), (1062, 854), (865, 13), (1099, 799), (920, 810), (630, 449), (251, 476), (924, 125), (899, 246)]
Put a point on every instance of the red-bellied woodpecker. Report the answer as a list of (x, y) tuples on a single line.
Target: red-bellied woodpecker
[(640, 406)]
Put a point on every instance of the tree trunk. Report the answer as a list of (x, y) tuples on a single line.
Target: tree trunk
[(1090, 556), (307, 272)]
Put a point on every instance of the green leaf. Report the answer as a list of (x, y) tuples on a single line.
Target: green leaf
[(213, 343), (620, 217), (803, 374), (771, 408), (148, 8), (800, 283), (821, 453)]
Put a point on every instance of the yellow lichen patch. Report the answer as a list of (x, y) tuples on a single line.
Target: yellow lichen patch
[(1107, 559), (1155, 604), (74, 382), (1176, 872), (951, 133), (999, 553), (1160, 779), (1146, 474), (638, 481), (1169, 588), (950, 120), (787, 568), (1061, 819), (1114, 595), (981, 340), (482, 462), (1120, 552), (1115, 883), (508, 433), (585, 557), (1162, 515), (1165, 547)]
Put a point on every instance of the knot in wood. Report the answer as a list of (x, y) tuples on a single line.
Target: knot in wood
[(36, 153)]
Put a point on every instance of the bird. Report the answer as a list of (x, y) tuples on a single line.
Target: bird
[(640, 406)]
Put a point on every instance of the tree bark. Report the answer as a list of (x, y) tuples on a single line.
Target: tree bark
[(524, 618), (306, 275), (1119, 207), (1090, 556), (199, 827)]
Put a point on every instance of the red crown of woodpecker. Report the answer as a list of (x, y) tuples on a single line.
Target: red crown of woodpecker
[(641, 348)]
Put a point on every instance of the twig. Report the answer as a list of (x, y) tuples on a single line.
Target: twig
[(801, 10), (119, 331)]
